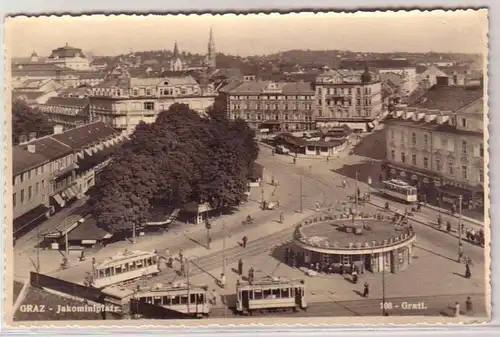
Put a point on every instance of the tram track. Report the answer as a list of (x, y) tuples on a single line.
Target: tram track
[(435, 305)]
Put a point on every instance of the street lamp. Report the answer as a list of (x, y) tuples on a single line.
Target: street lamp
[(459, 224), (208, 226)]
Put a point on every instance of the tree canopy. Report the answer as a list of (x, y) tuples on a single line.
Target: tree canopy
[(26, 120), (180, 158)]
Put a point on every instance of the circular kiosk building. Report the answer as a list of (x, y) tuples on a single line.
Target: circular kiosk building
[(337, 243)]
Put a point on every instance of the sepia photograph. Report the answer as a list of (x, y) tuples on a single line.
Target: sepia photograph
[(285, 167)]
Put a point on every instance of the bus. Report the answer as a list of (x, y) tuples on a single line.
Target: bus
[(400, 190), (270, 294), (125, 266), (181, 297)]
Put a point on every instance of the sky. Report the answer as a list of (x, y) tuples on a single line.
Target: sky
[(244, 35)]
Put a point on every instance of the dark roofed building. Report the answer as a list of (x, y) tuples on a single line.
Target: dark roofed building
[(86, 135), (50, 148), (447, 98), (67, 111), (25, 160)]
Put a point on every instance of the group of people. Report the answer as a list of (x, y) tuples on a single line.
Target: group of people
[(475, 237)]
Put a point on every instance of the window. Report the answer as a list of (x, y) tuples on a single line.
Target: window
[(450, 167), (393, 155), (444, 143), (43, 183), (426, 162), (136, 92), (402, 137), (464, 147), (438, 165), (37, 188), (481, 178), (393, 134), (481, 150), (403, 157), (14, 199), (414, 159), (414, 138), (149, 106), (464, 122), (426, 140), (464, 172), (22, 196), (148, 92)]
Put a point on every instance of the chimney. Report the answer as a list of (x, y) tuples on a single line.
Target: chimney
[(58, 129), (31, 148), (32, 136), (23, 139)]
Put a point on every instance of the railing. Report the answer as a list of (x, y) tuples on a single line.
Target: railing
[(62, 171), (406, 233)]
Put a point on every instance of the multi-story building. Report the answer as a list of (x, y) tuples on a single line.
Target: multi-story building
[(348, 97), (271, 105), (437, 143), (69, 57), (67, 111), (397, 66), (50, 172), (124, 101)]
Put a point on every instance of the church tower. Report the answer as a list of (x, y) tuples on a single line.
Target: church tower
[(176, 63), (211, 55)]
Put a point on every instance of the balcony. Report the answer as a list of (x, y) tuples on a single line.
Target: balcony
[(60, 172)]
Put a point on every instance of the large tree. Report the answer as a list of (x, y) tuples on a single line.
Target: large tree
[(26, 120), (180, 158)]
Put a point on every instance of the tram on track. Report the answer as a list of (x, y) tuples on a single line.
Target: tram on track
[(180, 297), (270, 294), (400, 190), (123, 267)]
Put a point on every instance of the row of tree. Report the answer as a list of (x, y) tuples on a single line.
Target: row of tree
[(26, 120), (180, 158)]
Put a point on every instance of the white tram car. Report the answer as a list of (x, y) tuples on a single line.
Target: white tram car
[(400, 190), (123, 267), (270, 294), (181, 297)]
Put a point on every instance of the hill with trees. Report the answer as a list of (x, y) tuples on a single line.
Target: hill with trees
[(26, 120), (180, 158)]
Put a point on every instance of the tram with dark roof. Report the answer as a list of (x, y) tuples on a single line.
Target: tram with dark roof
[(270, 294)]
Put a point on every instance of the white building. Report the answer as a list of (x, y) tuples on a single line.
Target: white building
[(69, 57)]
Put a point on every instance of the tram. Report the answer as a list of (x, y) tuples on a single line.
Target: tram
[(123, 267), (400, 190), (180, 297), (270, 294)]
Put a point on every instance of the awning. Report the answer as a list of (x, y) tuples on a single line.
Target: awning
[(88, 152), (88, 231), (59, 199), (29, 217), (371, 125), (455, 191)]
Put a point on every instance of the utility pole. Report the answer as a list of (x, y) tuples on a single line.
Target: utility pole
[(301, 196), (66, 237), (188, 285), (262, 197), (356, 194), (459, 223), (383, 284), (38, 250), (224, 262), (133, 230)]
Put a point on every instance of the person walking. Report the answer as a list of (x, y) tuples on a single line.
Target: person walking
[(181, 256), (250, 274), (468, 305), (214, 297), (244, 241), (282, 217), (366, 290), (467, 270), (456, 312), (460, 252), (240, 267), (222, 280)]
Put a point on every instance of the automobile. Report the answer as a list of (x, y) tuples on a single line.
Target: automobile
[(280, 149)]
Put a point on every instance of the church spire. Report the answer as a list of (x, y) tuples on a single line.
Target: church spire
[(176, 51), (211, 54)]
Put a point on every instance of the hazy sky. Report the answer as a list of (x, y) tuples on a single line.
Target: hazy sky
[(460, 31)]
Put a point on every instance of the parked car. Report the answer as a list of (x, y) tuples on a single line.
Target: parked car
[(280, 149)]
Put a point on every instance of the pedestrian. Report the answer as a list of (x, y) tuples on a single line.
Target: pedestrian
[(222, 280), (468, 305), (214, 297), (354, 275), (467, 270), (240, 267), (170, 262), (282, 217), (182, 269), (181, 256), (244, 241), (287, 254), (460, 252), (250, 274), (457, 309), (344, 184), (295, 160), (366, 290)]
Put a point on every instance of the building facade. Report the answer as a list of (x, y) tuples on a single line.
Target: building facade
[(67, 111), (124, 101), (345, 97), (437, 144), (69, 57), (275, 106)]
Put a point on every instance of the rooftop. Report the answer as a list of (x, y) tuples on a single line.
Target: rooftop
[(48, 147), (259, 87), (448, 98), (85, 135), (68, 102), (336, 233), (379, 64), (433, 125), (24, 160), (66, 52)]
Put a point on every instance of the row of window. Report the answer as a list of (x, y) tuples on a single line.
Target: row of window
[(343, 91), (274, 97), (57, 165), (305, 106), (126, 267), (268, 294), (360, 112), (29, 191), (170, 300), (346, 102), (438, 165), (443, 143), (276, 117)]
